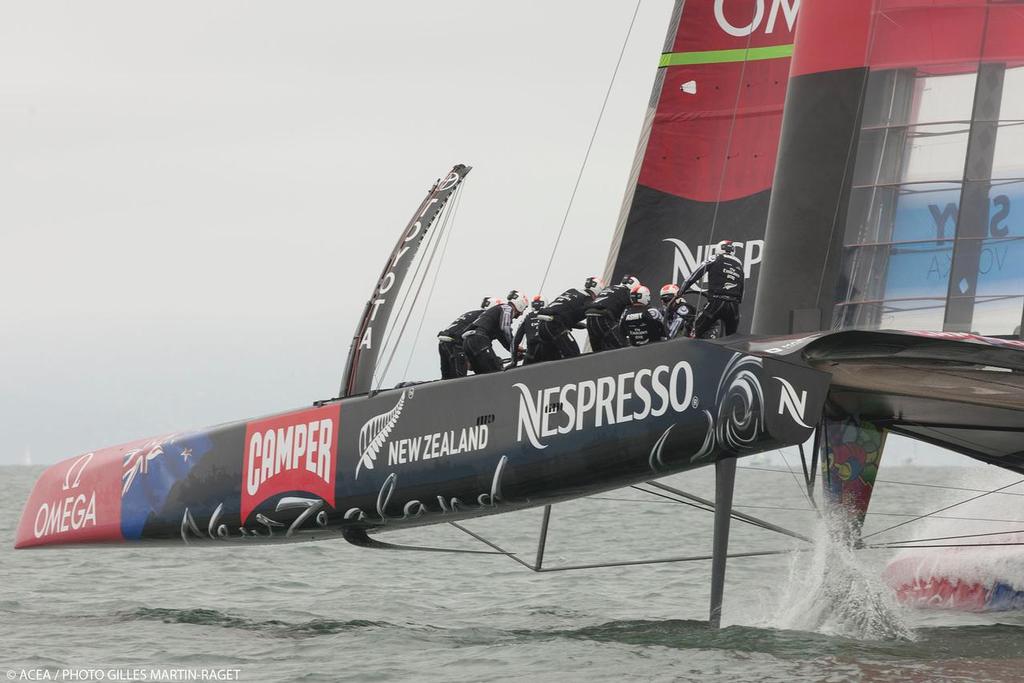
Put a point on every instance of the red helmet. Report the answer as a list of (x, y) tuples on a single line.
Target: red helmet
[(669, 292), (726, 247)]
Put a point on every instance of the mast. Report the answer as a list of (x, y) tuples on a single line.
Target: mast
[(367, 341)]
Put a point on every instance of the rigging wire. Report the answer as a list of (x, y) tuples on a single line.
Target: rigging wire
[(590, 145), (456, 201), (732, 129), (785, 508), (390, 340), (800, 485), (414, 289), (946, 538), (739, 517), (428, 260), (892, 481), (929, 514)]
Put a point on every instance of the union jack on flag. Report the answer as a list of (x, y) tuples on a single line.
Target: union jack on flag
[(136, 461)]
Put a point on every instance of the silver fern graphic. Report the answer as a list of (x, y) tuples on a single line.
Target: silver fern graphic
[(375, 432)]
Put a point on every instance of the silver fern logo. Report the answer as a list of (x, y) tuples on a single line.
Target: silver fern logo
[(375, 432)]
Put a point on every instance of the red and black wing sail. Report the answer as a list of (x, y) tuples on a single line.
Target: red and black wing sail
[(706, 156)]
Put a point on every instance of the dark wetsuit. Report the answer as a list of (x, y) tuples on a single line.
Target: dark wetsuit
[(603, 318), (557, 319), (529, 329), (494, 323), (449, 345), (724, 290), (642, 325), (679, 317)]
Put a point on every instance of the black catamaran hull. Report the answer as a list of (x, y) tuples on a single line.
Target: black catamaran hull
[(433, 452)]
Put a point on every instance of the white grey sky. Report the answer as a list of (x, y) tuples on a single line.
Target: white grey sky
[(196, 198)]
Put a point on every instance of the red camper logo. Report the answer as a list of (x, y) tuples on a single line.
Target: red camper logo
[(75, 501), (291, 452)]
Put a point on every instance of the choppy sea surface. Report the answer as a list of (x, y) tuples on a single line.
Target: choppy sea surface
[(328, 611)]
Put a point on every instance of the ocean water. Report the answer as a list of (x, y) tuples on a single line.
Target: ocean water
[(329, 611)]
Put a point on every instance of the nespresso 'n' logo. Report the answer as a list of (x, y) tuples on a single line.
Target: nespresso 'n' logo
[(686, 260), (792, 403)]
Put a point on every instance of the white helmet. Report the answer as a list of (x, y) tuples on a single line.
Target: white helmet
[(519, 301), (487, 302), (630, 282), (669, 292), (726, 247), (640, 295), (593, 285)]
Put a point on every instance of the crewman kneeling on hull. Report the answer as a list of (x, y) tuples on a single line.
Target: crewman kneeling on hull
[(641, 323), (603, 315), (493, 324), (560, 317), (724, 290), (449, 342)]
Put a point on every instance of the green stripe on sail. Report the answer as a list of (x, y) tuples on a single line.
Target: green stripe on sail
[(722, 56)]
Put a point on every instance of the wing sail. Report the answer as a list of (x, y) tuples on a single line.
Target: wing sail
[(368, 340)]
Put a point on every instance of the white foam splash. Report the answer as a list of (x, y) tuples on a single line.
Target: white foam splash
[(831, 590)]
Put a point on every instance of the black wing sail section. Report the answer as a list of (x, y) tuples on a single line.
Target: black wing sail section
[(366, 344)]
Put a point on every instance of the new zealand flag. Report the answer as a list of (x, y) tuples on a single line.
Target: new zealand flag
[(150, 472)]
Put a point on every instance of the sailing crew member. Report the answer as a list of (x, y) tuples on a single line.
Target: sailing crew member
[(603, 315), (529, 328), (493, 324), (449, 342), (642, 323), (724, 290), (561, 316), (678, 312)]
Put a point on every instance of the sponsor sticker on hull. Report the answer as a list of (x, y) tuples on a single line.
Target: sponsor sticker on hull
[(376, 438), (75, 501), (295, 452)]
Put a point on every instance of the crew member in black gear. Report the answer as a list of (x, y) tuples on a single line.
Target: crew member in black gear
[(493, 324), (560, 317), (642, 323), (679, 314), (449, 343), (529, 329), (604, 313), (724, 290)]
